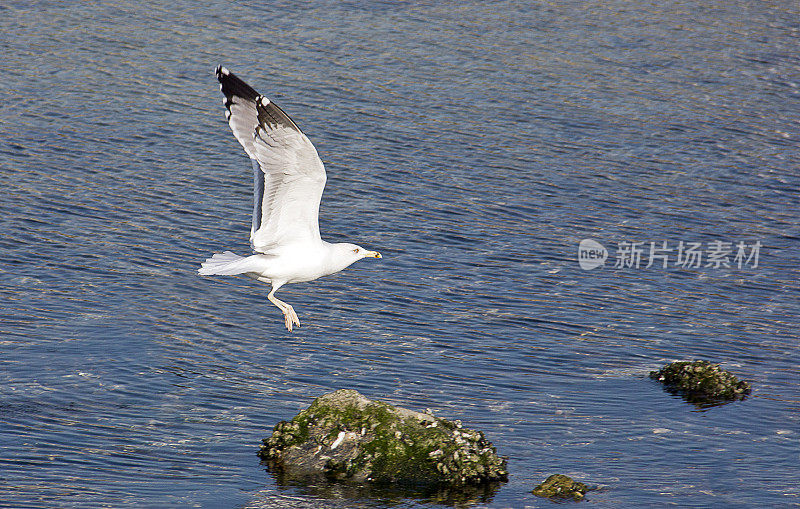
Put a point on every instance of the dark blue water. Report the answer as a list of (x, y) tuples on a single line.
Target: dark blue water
[(475, 145)]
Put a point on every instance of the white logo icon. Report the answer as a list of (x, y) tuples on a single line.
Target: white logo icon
[(591, 254)]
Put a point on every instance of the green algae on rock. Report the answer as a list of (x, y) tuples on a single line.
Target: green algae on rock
[(345, 436), (701, 382), (561, 486)]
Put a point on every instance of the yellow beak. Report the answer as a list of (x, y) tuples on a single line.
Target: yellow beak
[(373, 254)]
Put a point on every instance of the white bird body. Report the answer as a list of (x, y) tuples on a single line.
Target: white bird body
[(289, 178), (294, 263)]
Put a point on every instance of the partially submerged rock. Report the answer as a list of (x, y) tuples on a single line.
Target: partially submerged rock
[(345, 436), (701, 382), (561, 486)]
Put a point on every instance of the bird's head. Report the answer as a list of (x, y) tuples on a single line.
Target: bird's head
[(359, 252), (344, 254), (351, 253)]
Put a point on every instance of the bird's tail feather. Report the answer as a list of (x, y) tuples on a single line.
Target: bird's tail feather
[(226, 263)]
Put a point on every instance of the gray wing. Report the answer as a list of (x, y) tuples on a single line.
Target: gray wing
[(288, 175)]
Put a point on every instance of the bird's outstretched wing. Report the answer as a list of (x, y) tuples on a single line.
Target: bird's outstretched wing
[(288, 174)]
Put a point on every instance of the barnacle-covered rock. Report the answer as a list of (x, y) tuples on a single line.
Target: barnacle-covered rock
[(561, 486), (345, 436), (701, 382)]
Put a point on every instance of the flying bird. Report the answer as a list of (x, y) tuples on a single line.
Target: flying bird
[(288, 178)]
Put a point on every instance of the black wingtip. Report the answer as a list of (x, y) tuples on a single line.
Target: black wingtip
[(221, 71), (231, 85)]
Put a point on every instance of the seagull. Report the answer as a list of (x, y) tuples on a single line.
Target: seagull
[(289, 178)]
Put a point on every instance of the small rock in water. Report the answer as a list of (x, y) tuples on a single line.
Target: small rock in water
[(345, 436), (701, 382), (561, 486)]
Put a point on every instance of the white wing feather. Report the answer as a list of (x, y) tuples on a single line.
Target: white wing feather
[(294, 178), (293, 174)]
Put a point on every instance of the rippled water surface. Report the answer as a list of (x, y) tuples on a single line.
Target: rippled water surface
[(473, 144)]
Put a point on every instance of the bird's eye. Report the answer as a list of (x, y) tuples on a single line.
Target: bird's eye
[(355, 250)]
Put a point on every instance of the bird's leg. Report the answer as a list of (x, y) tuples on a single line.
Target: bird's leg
[(295, 318), (289, 315)]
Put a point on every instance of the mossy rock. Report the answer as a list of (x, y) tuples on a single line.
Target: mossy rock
[(345, 436), (561, 486), (701, 382)]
